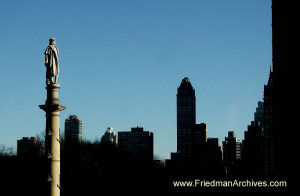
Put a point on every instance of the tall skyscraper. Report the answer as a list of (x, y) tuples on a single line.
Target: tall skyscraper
[(195, 151), (186, 117), (285, 99), (109, 137), (73, 130), (259, 145), (137, 143), (268, 134), (231, 151)]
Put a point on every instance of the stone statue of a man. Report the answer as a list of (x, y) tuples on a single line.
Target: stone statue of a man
[(51, 62)]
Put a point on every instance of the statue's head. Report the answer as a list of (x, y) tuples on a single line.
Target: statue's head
[(52, 41)]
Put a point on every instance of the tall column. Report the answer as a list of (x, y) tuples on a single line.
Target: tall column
[(53, 108)]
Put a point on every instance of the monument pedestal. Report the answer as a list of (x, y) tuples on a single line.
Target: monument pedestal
[(53, 108)]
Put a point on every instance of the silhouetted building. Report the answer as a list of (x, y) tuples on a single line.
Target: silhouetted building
[(272, 120), (214, 150), (137, 142), (231, 152), (28, 146), (259, 114), (252, 151), (73, 129), (109, 137), (268, 137), (194, 150), (200, 142), (196, 153), (186, 120), (259, 143), (200, 131), (285, 58), (214, 165)]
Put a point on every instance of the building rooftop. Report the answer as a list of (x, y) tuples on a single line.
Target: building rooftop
[(110, 130), (186, 84), (73, 117)]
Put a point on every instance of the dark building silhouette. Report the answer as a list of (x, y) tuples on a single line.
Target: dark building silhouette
[(259, 141), (259, 113), (267, 133), (186, 117), (284, 34), (272, 123), (200, 142), (214, 150), (186, 120), (212, 163), (232, 152), (137, 143), (29, 147), (200, 131), (196, 153), (252, 151), (73, 130)]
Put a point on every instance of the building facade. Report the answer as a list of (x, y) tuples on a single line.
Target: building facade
[(232, 152), (252, 150), (268, 132), (28, 146), (259, 114), (231, 148), (109, 137), (137, 143), (73, 130), (186, 118), (200, 131)]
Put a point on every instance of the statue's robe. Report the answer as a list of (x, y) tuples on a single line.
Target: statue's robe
[(51, 61)]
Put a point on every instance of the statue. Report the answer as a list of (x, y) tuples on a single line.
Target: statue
[(51, 62)]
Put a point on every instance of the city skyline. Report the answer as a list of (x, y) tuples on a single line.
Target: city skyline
[(139, 68)]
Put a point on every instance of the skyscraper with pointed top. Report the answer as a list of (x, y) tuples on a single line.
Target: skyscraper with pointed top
[(186, 117)]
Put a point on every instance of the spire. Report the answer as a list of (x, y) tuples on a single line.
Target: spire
[(270, 80)]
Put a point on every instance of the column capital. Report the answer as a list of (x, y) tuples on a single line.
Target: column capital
[(52, 107)]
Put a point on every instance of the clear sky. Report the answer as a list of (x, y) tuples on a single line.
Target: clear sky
[(122, 61)]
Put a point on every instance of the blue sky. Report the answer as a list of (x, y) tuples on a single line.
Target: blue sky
[(122, 61)]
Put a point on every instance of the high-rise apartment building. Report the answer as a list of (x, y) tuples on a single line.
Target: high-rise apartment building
[(186, 117), (109, 137), (232, 149), (137, 143), (28, 146), (73, 130), (200, 131)]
